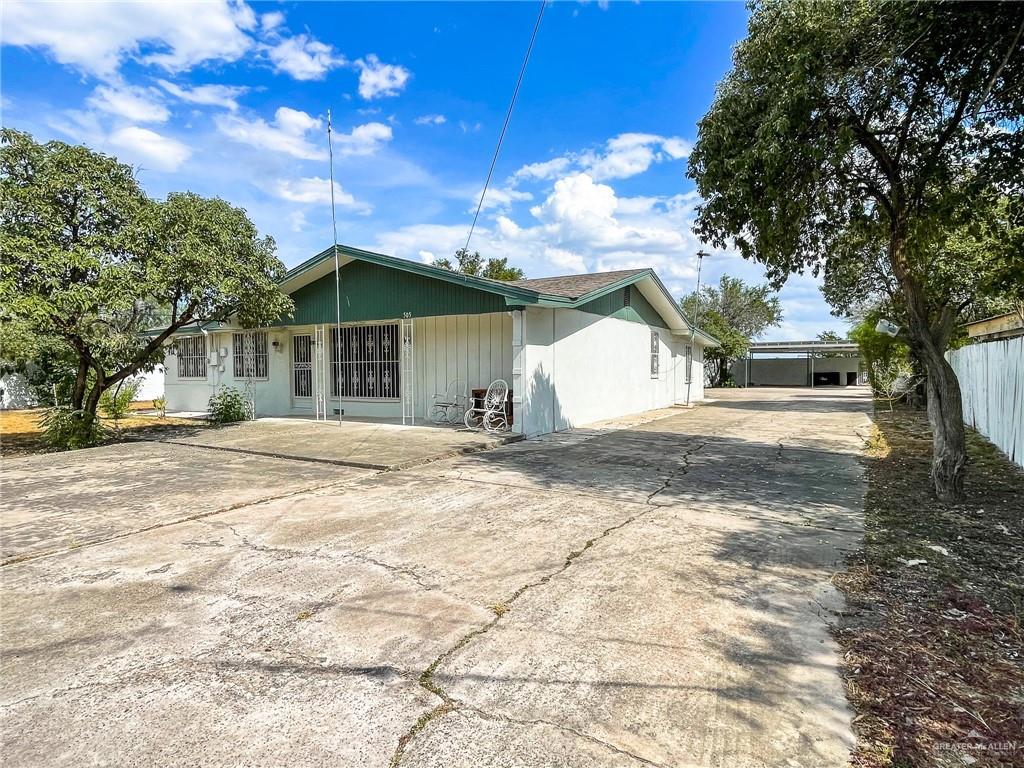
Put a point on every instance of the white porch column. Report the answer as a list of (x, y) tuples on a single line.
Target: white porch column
[(518, 382)]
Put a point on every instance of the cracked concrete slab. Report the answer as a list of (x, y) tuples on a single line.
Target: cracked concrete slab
[(366, 443), (67, 500), (670, 607)]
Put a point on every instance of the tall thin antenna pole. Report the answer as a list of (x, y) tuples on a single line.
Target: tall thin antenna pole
[(693, 325), (337, 269), (504, 127)]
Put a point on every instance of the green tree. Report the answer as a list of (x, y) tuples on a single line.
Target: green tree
[(879, 350), (858, 134), (89, 262), (473, 264), (734, 313)]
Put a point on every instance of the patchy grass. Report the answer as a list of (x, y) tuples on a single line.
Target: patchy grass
[(20, 431), (934, 650)]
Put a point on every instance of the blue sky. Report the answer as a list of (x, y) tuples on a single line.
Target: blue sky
[(230, 99)]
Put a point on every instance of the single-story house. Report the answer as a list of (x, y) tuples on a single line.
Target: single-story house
[(574, 349)]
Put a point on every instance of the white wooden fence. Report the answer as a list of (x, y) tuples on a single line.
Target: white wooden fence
[(992, 383)]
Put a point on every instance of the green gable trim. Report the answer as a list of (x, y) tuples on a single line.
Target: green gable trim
[(614, 305), (462, 294), (370, 292), (512, 294)]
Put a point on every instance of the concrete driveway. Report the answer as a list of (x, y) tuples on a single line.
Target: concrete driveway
[(656, 595)]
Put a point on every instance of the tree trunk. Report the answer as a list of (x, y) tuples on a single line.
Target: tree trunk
[(81, 379), (945, 406), (93, 401), (949, 441), (929, 338)]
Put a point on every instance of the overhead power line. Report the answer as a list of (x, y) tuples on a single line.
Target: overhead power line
[(504, 127)]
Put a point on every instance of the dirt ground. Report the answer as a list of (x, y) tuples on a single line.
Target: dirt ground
[(932, 639), (21, 434)]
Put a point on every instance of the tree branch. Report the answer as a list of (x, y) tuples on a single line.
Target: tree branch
[(999, 70)]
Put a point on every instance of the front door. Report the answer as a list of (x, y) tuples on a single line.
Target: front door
[(302, 369)]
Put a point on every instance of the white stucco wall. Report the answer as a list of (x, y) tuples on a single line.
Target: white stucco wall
[(572, 368), (476, 349), (15, 392), (566, 368)]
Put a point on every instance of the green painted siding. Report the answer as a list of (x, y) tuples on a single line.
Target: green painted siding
[(370, 292), (614, 305)]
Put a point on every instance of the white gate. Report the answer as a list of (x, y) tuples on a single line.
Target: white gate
[(408, 372), (320, 374)]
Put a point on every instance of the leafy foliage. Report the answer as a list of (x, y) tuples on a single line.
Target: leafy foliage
[(69, 429), (116, 402), (227, 405), (856, 139), (879, 350), (473, 264), (88, 263), (734, 313)]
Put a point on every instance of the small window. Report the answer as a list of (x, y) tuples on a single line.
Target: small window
[(655, 352), (250, 353), (192, 357), (689, 364)]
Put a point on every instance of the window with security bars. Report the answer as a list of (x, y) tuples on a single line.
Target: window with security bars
[(250, 355), (689, 363), (192, 357), (655, 355), (302, 365), (365, 361)]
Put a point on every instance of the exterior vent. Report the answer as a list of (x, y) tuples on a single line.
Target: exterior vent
[(626, 294)]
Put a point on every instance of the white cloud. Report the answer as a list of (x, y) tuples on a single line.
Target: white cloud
[(138, 104), (149, 148), (469, 127), (362, 140), (209, 95), (301, 135), (565, 260), (317, 190), (304, 57), (289, 133), (499, 198), (622, 156), (548, 169), (98, 36), (629, 154), (297, 220), (431, 120), (271, 21), (577, 198), (581, 225), (377, 79)]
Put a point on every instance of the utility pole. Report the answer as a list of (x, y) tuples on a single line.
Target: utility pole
[(693, 326), (337, 276)]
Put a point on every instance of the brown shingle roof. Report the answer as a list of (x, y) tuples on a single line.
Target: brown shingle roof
[(574, 286)]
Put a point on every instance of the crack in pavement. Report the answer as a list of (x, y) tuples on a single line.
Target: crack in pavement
[(493, 717), (288, 553), (803, 523), (448, 702), (200, 516)]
